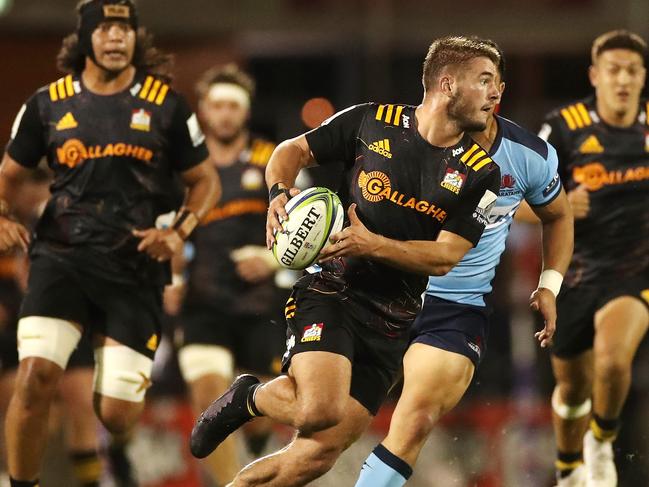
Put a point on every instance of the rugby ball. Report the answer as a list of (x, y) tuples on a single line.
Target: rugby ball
[(313, 215)]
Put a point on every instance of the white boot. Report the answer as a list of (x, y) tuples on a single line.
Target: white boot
[(577, 478), (600, 464)]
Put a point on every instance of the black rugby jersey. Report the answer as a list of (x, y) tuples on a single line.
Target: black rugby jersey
[(238, 220), (612, 242), (405, 189), (114, 159)]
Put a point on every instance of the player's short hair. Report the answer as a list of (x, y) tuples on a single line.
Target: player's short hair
[(501, 64), (619, 39), (230, 74), (455, 51)]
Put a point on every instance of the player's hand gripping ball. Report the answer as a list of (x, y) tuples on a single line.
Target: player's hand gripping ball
[(313, 215)]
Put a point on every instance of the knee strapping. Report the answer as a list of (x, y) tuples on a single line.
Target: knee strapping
[(122, 373), (196, 361), (565, 411), (49, 338)]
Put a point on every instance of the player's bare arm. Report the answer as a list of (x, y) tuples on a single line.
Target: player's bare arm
[(421, 256), (12, 234), (203, 191), (558, 232), (283, 167)]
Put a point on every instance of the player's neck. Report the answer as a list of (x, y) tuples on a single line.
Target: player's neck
[(614, 118), (103, 82), (487, 137), (223, 154), (434, 125)]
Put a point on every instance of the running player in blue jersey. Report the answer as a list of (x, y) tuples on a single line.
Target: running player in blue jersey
[(449, 336)]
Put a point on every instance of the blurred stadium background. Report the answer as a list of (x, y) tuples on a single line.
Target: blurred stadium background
[(351, 51)]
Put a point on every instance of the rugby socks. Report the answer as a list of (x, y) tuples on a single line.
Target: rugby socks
[(383, 469), (604, 429), (250, 401), (22, 483), (86, 467), (567, 462)]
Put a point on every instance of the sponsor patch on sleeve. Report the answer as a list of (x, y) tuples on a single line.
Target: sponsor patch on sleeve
[(550, 187), (486, 204), (195, 131)]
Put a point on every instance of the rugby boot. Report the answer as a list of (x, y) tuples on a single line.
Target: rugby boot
[(223, 417), (577, 478), (600, 464)]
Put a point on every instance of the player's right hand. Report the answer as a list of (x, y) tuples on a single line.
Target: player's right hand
[(579, 201), (12, 235), (276, 215)]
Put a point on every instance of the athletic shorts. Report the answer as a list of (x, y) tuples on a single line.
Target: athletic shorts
[(256, 342), (319, 322), (129, 314), (576, 308), (455, 327)]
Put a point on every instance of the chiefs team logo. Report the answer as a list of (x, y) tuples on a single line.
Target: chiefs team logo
[(312, 333), (72, 153), (453, 180), (374, 185)]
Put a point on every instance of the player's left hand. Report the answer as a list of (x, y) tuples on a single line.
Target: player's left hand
[(354, 240), (159, 244), (543, 301)]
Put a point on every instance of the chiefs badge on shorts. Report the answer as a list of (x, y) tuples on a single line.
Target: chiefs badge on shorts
[(312, 333)]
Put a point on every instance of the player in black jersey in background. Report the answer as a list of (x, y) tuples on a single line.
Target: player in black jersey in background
[(114, 134), (416, 209), (231, 295), (603, 309)]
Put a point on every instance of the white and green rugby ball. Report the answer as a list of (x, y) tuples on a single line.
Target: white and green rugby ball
[(313, 215)]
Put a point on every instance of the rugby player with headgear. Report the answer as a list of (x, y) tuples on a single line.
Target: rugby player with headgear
[(114, 134), (420, 195), (603, 147), (449, 337)]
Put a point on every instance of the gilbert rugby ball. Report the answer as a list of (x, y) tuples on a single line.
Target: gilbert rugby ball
[(313, 215)]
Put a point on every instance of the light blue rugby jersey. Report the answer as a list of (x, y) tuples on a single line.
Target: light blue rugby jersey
[(528, 168)]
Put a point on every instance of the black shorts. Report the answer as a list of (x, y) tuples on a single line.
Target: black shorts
[(129, 314), (455, 327), (320, 322), (256, 342), (576, 308)]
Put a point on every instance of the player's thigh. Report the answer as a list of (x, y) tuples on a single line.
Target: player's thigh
[(322, 382), (434, 382), (620, 326), (574, 376)]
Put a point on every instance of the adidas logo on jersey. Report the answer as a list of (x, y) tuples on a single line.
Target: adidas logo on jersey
[(381, 147), (591, 146), (67, 122)]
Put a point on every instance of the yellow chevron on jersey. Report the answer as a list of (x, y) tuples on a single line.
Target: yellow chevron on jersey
[(153, 90), (390, 114), (260, 152), (63, 88), (476, 158), (576, 116), (67, 122), (591, 146)]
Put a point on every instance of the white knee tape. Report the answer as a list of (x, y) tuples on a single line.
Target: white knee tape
[(198, 360), (569, 412), (122, 373), (48, 338)]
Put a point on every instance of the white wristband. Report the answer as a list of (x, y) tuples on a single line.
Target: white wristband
[(551, 280), (177, 279)]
